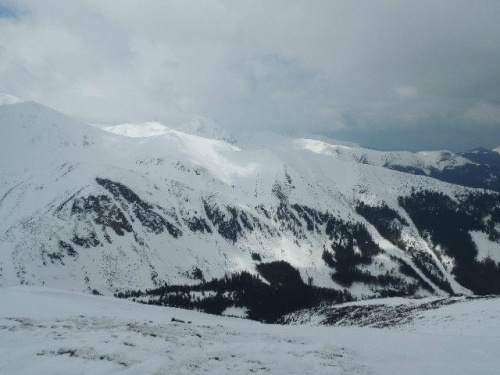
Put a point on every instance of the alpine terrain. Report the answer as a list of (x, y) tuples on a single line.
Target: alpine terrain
[(258, 226)]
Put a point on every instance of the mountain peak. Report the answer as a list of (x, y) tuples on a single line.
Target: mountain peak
[(33, 132), (137, 130), (7, 99), (207, 128), (479, 150)]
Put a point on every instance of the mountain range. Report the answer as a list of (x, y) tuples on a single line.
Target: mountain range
[(264, 223)]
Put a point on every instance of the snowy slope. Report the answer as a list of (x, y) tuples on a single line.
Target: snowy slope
[(474, 316), (6, 99), (207, 128), (201, 126), (424, 161), (479, 168), (86, 209), (56, 332), (140, 130)]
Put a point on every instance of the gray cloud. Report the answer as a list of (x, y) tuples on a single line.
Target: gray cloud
[(364, 70)]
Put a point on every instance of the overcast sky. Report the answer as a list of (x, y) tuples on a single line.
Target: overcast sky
[(388, 74)]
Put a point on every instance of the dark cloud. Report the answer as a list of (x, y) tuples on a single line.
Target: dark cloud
[(425, 137), (371, 71)]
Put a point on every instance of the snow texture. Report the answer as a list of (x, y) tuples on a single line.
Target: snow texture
[(44, 331)]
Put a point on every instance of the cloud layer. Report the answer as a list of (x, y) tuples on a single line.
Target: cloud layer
[(364, 70)]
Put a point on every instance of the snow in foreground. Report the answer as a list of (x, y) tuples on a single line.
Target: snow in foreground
[(45, 331)]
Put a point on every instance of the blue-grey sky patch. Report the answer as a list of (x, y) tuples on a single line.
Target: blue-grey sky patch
[(7, 10)]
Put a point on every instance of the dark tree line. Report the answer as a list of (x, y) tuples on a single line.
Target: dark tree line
[(284, 293), (449, 223), (390, 224)]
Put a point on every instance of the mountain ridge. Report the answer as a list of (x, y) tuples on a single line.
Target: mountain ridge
[(87, 210)]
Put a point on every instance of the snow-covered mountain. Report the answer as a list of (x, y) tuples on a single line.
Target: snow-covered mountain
[(86, 209), (204, 127), (423, 161), (6, 99), (201, 126), (479, 168), (139, 130)]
